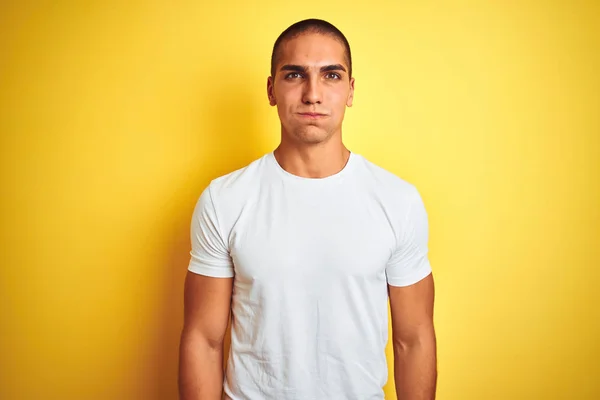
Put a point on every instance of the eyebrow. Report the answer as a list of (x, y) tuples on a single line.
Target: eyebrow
[(300, 68)]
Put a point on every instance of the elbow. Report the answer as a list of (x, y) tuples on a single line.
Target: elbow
[(423, 338), (196, 338)]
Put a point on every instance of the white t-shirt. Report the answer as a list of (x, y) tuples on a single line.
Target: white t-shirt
[(311, 261)]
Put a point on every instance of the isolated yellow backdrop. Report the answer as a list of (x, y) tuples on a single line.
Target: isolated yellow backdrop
[(114, 116)]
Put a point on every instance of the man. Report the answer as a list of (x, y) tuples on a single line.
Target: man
[(304, 246)]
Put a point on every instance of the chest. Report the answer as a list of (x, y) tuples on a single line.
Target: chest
[(311, 237)]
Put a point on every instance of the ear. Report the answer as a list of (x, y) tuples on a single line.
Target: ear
[(270, 91), (351, 93)]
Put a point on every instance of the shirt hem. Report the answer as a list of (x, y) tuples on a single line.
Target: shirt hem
[(209, 270), (423, 273)]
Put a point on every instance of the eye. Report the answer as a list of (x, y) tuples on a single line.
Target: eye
[(333, 75), (293, 75)]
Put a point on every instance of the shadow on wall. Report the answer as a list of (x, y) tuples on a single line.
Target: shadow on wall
[(233, 142)]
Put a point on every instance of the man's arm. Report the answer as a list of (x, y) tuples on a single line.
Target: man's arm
[(207, 304), (415, 359)]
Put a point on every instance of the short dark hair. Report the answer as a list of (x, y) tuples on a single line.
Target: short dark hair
[(311, 25)]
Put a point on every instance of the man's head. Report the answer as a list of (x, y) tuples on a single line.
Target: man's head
[(311, 80), (310, 26)]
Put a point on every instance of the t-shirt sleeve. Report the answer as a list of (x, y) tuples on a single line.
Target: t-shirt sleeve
[(209, 254), (409, 262)]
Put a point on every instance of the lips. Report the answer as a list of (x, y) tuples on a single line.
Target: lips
[(312, 115)]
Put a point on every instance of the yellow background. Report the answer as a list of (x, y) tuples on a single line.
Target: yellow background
[(115, 115)]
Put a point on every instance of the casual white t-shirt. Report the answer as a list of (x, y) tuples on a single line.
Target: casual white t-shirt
[(311, 261)]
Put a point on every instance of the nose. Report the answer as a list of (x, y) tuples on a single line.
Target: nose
[(312, 92)]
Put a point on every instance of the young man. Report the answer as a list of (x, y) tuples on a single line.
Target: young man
[(303, 247)]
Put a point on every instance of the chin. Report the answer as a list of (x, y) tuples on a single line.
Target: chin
[(312, 135)]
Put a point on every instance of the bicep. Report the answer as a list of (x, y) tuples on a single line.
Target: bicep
[(207, 302), (412, 310)]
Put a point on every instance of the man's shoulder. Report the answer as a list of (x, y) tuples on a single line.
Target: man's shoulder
[(241, 178), (386, 180), (229, 192), (394, 193)]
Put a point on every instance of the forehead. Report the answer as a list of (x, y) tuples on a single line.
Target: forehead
[(312, 48)]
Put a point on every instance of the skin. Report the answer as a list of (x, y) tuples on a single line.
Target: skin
[(311, 90), (414, 341), (207, 303)]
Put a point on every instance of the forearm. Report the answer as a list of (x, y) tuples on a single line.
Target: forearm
[(200, 368), (415, 369)]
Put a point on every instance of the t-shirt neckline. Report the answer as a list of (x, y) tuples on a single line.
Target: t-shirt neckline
[(338, 175)]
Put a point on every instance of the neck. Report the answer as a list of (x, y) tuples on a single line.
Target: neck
[(312, 161)]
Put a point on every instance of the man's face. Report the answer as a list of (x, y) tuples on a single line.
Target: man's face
[(311, 88)]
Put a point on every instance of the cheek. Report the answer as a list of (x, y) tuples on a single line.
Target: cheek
[(338, 100), (286, 102)]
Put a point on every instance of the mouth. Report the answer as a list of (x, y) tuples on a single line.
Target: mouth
[(312, 115)]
